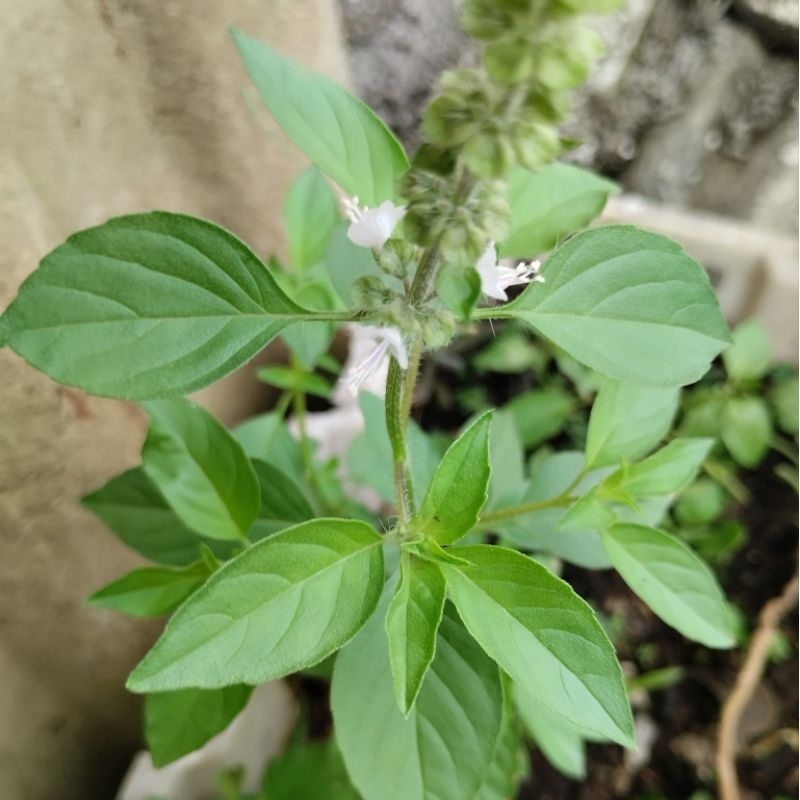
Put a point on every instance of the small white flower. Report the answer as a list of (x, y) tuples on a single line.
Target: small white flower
[(371, 227), (496, 279), (389, 341)]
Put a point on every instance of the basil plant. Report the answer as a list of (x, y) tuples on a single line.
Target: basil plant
[(453, 636)]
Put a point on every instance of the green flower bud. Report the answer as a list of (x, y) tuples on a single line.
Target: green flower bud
[(369, 291), (488, 155), (509, 60), (438, 328), (486, 19), (396, 257), (536, 144)]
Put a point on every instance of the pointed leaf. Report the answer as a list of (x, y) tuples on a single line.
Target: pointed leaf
[(280, 606), (442, 749), (627, 421), (137, 512), (630, 304), (310, 213), (146, 306), (543, 635), (267, 438), (152, 591), (338, 132), (411, 623), (549, 204), (200, 469), (177, 723), (673, 581), (283, 504), (459, 487)]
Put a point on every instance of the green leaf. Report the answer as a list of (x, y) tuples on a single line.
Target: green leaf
[(200, 469), (627, 421), (746, 429), (146, 306), (459, 487), (548, 205), (510, 762), (561, 742), (700, 503), (347, 262), (339, 133), (267, 438), (630, 304), (458, 288), (152, 591), (442, 749), (511, 352), (310, 213), (177, 723), (784, 398), (750, 356), (136, 511), (283, 504), (543, 635), (309, 771), (280, 606), (506, 461), (673, 581), (412, 620), (668, 470), (541, 414), (294, 380)]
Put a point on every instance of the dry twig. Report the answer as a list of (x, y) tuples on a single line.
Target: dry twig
[(746, 683)]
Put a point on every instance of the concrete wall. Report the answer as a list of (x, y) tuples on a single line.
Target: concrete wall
[(109, 107)]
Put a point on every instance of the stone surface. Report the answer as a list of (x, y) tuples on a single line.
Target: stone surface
[(109, 107)]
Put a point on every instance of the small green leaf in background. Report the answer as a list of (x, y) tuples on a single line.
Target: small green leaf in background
[(459, 487), (666, 471), (700, 503), (147, 306), (746, 429), (562, 743), (506, 461), (541, 414), (458, 288), (137, 512), (309, 771), (267, 438), (627, 303), (339, 133), (511, 352), (784, 399), (280, 606), (543, 635), (151, 591), (750, 356), (200, 469), (294, 380), (177, 723), (673, 581), (412, 620), (310, 213), (627, 421), (283, 503), (443, 748), (550, 204)]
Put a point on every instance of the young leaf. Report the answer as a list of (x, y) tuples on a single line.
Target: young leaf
[(200, 469), (146, 306), (627, 421), (673, 581), (784, 399), (310, 213), (281, 605), (267, 438), (459, 487), (442, 749), (548, 205), (541, 414), (177, 723), (543, 635), (152, 591), (749, 358), (294, 380), (411, 623), (137, 512), (630, 304), (338, 132), (458, 288), (283, 504), (746, 429), (506, 461), (668, 470)]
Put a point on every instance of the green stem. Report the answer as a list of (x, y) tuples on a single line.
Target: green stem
[(424, 278)]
